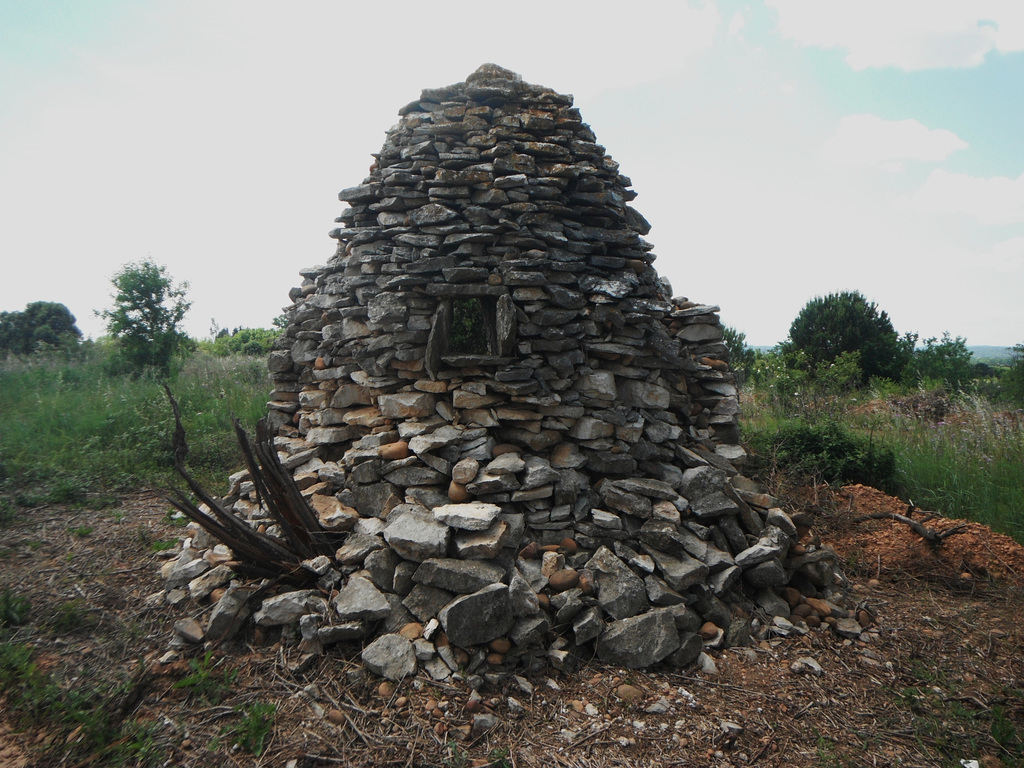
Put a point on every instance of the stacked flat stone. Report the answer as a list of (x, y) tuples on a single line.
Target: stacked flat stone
[(572, 482)]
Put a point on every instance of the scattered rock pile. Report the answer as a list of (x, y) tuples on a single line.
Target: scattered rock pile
[(523, 444)]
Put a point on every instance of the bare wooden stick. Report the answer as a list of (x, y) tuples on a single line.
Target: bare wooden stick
[(930, 535), (262, 555)]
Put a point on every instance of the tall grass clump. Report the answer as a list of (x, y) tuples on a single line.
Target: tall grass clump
[(969, 464), (70, 428), (958, 454)]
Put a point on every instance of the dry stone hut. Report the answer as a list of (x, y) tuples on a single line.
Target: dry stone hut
[(525, 443)]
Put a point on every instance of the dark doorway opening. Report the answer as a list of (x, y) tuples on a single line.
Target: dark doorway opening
[(472, 329)]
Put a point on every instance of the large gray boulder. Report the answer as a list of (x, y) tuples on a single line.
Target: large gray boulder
[(416, 535), (479, 617), (390, 656), (620, 592), (639, 641)]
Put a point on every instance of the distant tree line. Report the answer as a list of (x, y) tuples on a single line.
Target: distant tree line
[(41, 326), (143, 325), (842, 342)]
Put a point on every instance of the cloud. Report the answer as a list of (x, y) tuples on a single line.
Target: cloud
[(992, 202), (871, 141), (736, 23), (1007, 257), (909, 34)]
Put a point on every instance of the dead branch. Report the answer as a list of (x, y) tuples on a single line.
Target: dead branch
[(260, 555), (932, 536)]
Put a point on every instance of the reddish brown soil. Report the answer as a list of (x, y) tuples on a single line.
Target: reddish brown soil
[(938, 680), (974, 551)]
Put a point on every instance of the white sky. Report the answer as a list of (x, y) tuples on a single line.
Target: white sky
[(781, 149)]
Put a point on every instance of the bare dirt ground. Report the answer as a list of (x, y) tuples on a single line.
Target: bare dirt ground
[(939, 680)]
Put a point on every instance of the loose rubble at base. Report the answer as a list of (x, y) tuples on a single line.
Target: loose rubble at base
[(525, 447)]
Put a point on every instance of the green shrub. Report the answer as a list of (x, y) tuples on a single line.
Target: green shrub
[(946, 362), (13, 609), (828, 450), (254, 342)]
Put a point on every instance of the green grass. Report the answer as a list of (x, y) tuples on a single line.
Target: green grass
[(207, 680), (252, 731), (971, 465), (85, 714), (14, 608), (952, 726), (962, 457), (72, 433), (71, 616)]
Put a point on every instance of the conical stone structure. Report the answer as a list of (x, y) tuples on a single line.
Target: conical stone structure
[(521, 438)]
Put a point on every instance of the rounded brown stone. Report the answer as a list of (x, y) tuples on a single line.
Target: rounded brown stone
[(586, 584), (569, 546), (336, 716), (629, 693), (820, 607), (803, 611), (813, 621), (457, 492), (864, 618), (495, 659), (217, 594), (792, 596), (395, 451), (386, 689), (543, 601), (709, 630), (567, 578), (320, 364), (411, 631), (504, 448), (718, 365), (500, 645), (529, 552)]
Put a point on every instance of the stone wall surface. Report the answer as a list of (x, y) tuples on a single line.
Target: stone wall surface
[(572, 479)]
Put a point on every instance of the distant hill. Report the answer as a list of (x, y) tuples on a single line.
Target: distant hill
[(996, 354)]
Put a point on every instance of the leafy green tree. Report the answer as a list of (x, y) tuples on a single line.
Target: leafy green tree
[(1013, 379), (146, 318), (241, 341), (741, 357), (42, 325), (847, 322), (947, 361)]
